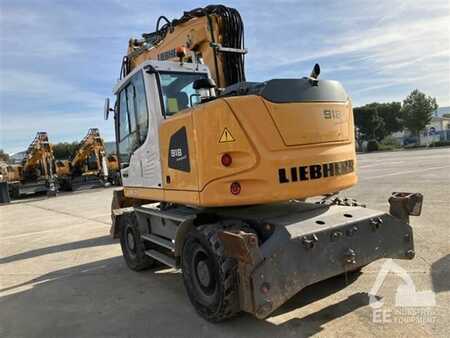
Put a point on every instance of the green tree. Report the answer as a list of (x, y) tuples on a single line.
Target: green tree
[(64, 150), (391, 114), (4, 156), (378, 120), (417, 111), (368, 121)]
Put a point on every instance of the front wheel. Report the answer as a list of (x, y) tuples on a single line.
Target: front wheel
[(133, 248), (209, 277)]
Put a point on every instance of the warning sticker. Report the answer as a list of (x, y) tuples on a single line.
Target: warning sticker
[(226, 136)]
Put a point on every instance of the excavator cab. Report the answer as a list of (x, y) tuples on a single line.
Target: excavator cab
[(154, 92)]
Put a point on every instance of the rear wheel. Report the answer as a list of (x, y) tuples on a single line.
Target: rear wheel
[(133, 247), (209, 277)]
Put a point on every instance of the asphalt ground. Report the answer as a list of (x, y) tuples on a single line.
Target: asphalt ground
[(62, 276)]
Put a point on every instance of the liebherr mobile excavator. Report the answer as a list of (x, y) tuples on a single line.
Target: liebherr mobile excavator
[(89, 164), (216, 172), (36, 173)]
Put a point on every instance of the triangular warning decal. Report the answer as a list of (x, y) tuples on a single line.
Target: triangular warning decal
[(226, 136)]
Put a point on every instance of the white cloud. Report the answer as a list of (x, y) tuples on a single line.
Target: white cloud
[(26, 32), (390, 44), (49, 106), (19, 129), (46, 88)]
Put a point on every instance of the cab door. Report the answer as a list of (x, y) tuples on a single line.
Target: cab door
[(136, 132)]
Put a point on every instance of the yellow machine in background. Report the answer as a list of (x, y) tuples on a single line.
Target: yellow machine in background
[(216, 171), (112, 163), (36, 173), (89, 166), (3, 171), (62, 168)]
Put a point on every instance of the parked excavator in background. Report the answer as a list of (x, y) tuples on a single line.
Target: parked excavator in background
[(89, 165), (36, 173), (3, 171), (4, 193), (216, 172)]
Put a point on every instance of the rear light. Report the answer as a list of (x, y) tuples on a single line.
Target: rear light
[(235, 188), (226, 160)]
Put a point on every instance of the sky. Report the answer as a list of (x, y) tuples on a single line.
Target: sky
[(60, 59)]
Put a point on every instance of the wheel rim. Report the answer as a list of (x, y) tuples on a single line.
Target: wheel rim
[(203, 275), (131, 242)]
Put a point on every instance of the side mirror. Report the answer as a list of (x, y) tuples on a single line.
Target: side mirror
[(107, 109), (191, 101), (204, 84)]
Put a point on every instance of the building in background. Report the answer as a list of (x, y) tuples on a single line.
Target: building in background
[(438, 130), (440, 112)]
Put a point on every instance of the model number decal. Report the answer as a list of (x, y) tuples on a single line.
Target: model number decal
[(331, 114), (176, 152)]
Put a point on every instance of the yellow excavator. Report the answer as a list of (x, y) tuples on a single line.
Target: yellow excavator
[(89, 165), (217, 170), (36, 173)]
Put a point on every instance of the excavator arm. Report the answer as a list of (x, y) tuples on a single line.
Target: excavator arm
[(36, 173), (213, 35), (92, 144), (39, 159)]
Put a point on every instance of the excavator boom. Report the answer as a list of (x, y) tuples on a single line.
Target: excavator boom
[(213, 35), (39, 159), (92, 144), (36, 173)]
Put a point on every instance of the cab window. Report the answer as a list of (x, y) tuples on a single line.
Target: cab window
[(133, 117), (177, 91)]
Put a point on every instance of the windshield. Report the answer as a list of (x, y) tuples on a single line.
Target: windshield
[(177, 91)]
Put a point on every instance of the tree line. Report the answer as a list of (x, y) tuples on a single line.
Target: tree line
[(375, 121), (64, 150)]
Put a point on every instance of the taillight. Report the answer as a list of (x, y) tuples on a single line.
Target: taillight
[(235, 188), (226, 160)]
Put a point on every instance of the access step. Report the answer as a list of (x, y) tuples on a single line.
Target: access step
[(161, 258), (160, 241)]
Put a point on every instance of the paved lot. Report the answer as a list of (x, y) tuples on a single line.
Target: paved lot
[(61, 275)]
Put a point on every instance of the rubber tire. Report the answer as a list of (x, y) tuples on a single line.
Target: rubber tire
[(68, 185), (357, 270), (15, 192), (226, 298), (138, 260)]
